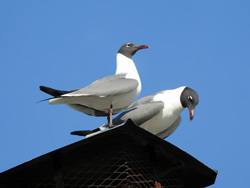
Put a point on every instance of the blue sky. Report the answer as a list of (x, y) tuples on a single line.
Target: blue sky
[(68, 44)]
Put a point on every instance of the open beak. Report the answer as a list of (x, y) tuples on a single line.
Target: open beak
[(142, 47), (191, 113)]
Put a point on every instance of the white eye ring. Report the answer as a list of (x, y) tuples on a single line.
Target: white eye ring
[(128, 44), (190, 98)]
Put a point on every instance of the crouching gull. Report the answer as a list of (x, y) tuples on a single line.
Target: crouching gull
[(158, 113), (108, 95)]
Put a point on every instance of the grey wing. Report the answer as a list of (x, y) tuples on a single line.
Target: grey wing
[(140, 113), (143, 100), (167, 132), (107, 86)]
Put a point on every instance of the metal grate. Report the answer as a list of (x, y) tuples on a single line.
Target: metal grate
[(124, 157), (102, 167)]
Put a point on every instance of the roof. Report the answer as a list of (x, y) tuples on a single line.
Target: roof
[(126, 156)]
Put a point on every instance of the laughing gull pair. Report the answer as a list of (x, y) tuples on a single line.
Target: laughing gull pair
[(158, 113), (106, 96)]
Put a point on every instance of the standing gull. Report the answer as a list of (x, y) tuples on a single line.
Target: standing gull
[(108, 95), (158, 113)]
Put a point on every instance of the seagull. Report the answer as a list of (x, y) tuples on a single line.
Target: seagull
[(108, 95), (158, 113)]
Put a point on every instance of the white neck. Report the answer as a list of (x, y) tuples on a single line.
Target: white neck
[(172, 98), (125, 65)]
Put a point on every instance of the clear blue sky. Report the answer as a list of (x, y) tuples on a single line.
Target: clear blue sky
[(68, 44)]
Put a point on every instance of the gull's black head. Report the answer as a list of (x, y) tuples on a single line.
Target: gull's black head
[(129, 49), (189, 99)]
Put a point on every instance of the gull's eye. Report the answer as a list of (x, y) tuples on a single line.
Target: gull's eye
[(190, 98), (128, 44)]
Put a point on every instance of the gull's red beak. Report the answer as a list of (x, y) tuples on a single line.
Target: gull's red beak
[(191, 113), (143, 47)]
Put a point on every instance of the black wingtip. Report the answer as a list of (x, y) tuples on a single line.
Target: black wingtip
[(84, 133), (48, 90), (53, 92), (44, 88), (81, 133)]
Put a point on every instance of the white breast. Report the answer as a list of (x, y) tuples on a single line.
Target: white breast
[(169, 114)]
